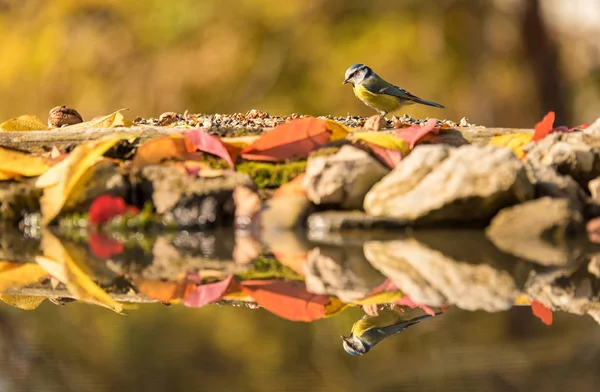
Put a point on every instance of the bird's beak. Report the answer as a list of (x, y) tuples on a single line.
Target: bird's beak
[(345, 81)]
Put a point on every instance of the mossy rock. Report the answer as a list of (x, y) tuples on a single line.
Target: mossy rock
[(271, 175)]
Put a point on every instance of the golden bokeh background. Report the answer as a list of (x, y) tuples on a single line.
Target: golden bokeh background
[(500, 62)]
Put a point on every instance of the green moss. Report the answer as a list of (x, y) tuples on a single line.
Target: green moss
[(267, 267), (271, 175), (325, 151)]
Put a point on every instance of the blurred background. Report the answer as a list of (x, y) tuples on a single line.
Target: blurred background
[(500, 62)]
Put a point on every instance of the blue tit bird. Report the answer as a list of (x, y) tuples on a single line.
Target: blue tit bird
[(378, 94), (370, 330)]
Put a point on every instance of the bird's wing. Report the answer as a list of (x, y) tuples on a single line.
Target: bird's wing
[(398, 92), (402, 325)]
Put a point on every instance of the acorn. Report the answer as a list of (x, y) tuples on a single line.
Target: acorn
[(61, 116)]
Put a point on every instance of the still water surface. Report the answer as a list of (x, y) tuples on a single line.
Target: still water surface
[(86, 348), (81, 347)]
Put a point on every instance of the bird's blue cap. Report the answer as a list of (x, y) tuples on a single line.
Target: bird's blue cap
[(353, 68)]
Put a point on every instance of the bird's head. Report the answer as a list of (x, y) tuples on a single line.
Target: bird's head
[(354, 346), (357, 73)]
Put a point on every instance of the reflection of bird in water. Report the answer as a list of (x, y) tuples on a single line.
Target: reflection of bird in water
[(372, 329)]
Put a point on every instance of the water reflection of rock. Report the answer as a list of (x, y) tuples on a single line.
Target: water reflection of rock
[(340, 271), (469, 268), (449, 268)]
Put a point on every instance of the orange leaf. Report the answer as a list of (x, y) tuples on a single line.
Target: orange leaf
[(163, 291), (544, 127), (542, 312), (288, 300), (163, 148), (294, 139)]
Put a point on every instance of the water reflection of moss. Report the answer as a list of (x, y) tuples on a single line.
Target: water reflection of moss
[(267, 267)]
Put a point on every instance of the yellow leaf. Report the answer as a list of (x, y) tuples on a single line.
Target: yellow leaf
[(7, 175), (384, 140), (61, 179), (335, 307), (28, 122), (25, 302), (522, 300), (15, 163), (381, 298), (513, 141), (109, 121), (239, 141), (338, 131), (14, 276), (71, 272)]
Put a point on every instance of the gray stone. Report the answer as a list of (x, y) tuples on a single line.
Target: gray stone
[(342, 179), (436, 183), (202, 201), (539, 230), (433, 278), (340, 271), (568, 153), (594, 265), (18, 199), (594, 187), (548, 182)]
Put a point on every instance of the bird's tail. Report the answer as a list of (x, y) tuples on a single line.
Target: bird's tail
[(428, 103)]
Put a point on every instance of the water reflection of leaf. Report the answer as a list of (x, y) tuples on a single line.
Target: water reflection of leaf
[(163, 291), (73, 273), (542, 312), (289, 300), (25, 302), (13, 276), (208, 293)]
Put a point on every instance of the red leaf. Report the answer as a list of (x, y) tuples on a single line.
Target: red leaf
[(414, 133), (389, 157), (385, 286), (544, 127), (542, 312), (104, 247), (207, 293), (106, 207), (288, 300), (294, 139), (580, 126), (208, 143)]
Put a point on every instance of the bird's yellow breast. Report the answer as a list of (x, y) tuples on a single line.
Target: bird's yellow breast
[(380, 102)]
